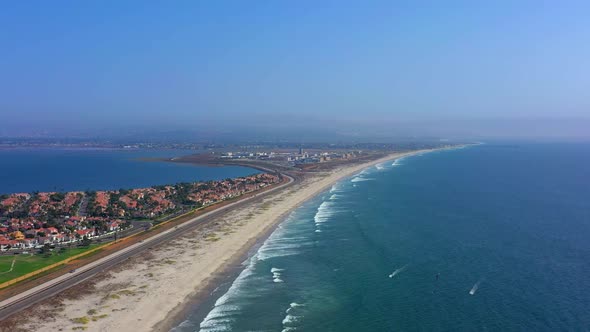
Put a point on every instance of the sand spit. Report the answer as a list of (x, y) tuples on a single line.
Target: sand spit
[(146, 291)]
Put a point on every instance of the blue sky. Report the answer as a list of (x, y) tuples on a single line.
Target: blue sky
[(453, 68)]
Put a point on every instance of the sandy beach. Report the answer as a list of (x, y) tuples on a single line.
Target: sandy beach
[(150, 290)]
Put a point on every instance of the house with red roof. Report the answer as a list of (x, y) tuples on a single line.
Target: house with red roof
[(86, 232), (113, 226), (52, 230), (4, 244)]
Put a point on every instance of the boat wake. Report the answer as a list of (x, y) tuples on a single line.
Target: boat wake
[(397, 271), (474, 288)]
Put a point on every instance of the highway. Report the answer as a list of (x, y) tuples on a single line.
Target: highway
[(41, 292)]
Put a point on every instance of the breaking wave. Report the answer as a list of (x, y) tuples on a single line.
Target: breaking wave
[(293, 317), (282, 242), (276, 274), (380, 166), (290, 319), (336, 188), (397, 162), (294, 305), (325, 211), (360, 179), (255, 281), (225, 309)]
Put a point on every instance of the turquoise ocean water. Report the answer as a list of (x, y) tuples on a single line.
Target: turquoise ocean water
[(27, 170), (486, 238)]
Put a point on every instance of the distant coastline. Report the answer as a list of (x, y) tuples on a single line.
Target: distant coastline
[(199, 160)]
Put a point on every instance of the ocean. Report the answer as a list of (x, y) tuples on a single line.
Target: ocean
[(55, 169), (486, 238)]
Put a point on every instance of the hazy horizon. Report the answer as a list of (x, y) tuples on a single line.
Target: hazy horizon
[(347, 70)]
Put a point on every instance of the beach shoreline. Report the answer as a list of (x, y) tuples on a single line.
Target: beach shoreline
[(155, 291), (207, 295)]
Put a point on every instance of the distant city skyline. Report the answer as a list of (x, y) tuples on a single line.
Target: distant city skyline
[(342, 69)]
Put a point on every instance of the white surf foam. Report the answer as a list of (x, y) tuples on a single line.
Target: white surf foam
[(281, 248), (291, 319), (276, 274), (222, 316), (282, 243), (294, 314), (293, 306), (361, 179), (335, 188), (250, 283), (334, 197), (187, 324), (325, 211), (397, 162)]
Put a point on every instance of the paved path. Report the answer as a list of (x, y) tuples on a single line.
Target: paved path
[(11, 266)]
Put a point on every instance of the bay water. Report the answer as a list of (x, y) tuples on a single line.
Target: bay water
[(58, 169)]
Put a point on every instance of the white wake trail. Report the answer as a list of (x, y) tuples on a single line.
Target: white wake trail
[(397, 271), (474, 288)]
